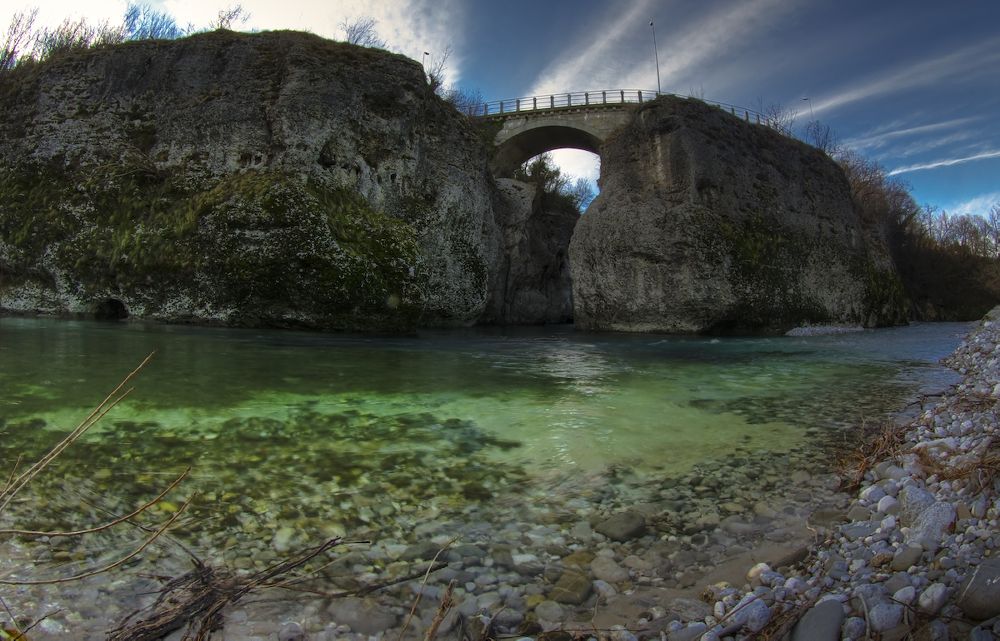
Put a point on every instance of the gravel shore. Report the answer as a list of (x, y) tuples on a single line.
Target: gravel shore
[(918, 556)]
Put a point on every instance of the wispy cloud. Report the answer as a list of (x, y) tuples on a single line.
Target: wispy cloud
[(977, 206), (971, 59), (602, 61), (567, 74), (946, 162), (880, 138), (716, 34)]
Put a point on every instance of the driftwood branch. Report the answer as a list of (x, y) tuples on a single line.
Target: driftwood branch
[(112, 399)]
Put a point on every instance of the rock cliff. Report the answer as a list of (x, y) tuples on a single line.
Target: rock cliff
[(706, 223), (534, 286), (266, 179)]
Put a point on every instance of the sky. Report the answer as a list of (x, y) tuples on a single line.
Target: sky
[(912, 84)]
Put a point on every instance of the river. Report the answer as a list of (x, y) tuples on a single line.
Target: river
[(296, 436)]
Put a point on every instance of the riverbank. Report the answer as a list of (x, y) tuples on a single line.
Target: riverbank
[(920, 552)]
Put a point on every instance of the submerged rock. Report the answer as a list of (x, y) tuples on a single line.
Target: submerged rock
[(622, 526)]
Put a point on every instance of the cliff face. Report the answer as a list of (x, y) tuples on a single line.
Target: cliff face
[(534, 285), (706, 223), (277, 179)]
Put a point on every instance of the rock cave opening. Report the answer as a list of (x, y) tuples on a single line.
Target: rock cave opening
[(549, 193), (110, 309)]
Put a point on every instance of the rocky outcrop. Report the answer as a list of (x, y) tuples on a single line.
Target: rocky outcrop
[(267, 179), (535, 284), (706, 223)]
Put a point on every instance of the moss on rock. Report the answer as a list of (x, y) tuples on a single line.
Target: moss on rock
[(277, 249)]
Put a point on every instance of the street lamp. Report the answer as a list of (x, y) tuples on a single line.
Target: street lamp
[(811, 117), (423, 60), (656, 53)]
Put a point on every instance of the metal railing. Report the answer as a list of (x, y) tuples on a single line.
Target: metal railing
[(565, 100), (595, 99)]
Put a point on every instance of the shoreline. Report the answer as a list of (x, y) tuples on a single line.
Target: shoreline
[(554, 569), (920, 551)]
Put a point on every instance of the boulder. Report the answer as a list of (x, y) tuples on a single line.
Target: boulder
[(622, 526), (365, 616), (979, 594), (820, 623), (707, 223)]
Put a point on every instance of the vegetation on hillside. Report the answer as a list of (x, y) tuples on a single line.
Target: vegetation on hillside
[(949, 264), (558, 190)]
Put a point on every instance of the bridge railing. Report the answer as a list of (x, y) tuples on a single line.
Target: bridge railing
[(562, 100), (598, 98)]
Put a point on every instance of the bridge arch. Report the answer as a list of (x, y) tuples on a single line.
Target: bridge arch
[(532, 141)]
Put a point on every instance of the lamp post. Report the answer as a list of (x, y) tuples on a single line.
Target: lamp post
[(656, 54), (811, 116), (423, 60)]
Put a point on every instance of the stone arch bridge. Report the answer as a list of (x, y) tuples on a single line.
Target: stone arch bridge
[(582, 120)]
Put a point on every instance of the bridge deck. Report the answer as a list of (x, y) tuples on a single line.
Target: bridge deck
[(590, 100)]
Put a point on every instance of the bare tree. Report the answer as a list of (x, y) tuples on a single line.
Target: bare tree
[(439, 65), (467, 101), (17, 37), (820, 135), (143, 23), (777, 116), (582, 192), (69, 35), (361, 31), (234, 15)]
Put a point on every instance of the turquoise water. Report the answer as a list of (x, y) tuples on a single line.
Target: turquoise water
[(281, 421)]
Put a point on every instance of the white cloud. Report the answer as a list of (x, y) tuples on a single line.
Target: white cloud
[(409, 27), (946, 162), (575, 163), (600, 63), (982, 55), (879, 138), (588, 64), (52, 12), (977, 206)]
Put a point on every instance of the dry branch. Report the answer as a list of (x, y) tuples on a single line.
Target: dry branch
[(112, 399), (196, 599)]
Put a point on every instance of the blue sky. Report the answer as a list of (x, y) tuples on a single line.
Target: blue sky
[(913, 84)]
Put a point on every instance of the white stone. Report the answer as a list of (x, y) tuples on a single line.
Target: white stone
[(884, 616), (872, 494), (606, 569), (887, 504), (905, 595), (933, 598)]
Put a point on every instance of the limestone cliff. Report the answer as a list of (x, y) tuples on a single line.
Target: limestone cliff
[(706, 223), (534, 285), (276, 179)]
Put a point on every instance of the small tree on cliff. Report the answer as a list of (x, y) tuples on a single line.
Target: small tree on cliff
[(361, 31), (19, 34), (556, 188)]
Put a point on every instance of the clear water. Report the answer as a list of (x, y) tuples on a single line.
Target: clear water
[(277, 421)]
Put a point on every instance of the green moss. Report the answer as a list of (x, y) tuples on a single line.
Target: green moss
[(763, 268), (885, 300), (277, 249)]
